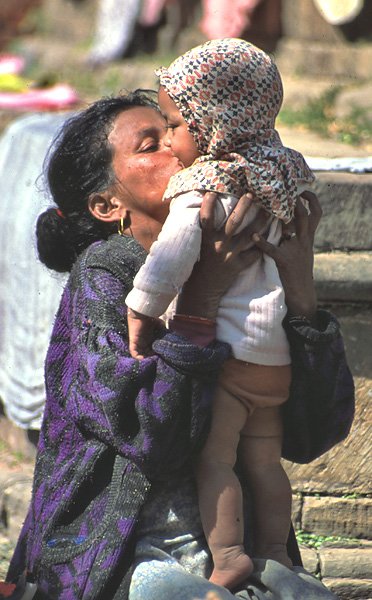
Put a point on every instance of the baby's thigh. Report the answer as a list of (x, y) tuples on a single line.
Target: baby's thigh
[(157, 580)]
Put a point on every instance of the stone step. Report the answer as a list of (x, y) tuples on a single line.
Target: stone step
[(333, 516), (346, 571), (346, 202), (343, 277), (353, 563), (349, 589)]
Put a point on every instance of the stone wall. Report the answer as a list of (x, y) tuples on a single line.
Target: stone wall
[(332, 495), (311, 46)]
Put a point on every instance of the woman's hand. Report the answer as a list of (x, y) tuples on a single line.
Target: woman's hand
[(223, 256), (294, 257)]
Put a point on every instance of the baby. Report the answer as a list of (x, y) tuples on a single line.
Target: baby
[(220, 101)]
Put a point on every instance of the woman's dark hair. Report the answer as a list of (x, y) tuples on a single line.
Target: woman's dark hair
[(79, 163)]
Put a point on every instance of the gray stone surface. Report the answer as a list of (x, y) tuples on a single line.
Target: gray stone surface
[(350, 589), (353, 563), (342, 276), (310, 559), (346, 201), (297, 502), (356, 326), (345, 517)]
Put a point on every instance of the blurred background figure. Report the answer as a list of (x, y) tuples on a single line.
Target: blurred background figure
[(258, 21), (124, 27), (12, 13), (223, 18), (115, 25), (29, 294), (352, 17)]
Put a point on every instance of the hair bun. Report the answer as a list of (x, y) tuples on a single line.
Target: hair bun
[(53, 241)]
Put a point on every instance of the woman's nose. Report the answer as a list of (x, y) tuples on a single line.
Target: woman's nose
[(167, 139)]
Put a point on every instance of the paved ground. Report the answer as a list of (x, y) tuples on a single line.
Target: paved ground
[(14, 468)]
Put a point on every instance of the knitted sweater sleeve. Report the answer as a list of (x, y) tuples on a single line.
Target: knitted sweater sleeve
[(154, 412)]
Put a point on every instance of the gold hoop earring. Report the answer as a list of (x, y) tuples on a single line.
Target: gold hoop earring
[(121, 226)]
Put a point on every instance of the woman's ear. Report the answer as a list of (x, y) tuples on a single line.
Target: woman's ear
[(105, 207)]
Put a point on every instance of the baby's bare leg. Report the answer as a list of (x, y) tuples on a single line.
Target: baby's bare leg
[(220, 495), (269, 483)]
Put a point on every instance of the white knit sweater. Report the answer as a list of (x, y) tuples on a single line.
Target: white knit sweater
[(250, 314)]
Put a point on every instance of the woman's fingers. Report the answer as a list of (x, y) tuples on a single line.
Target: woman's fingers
[(237, 215), (207, 211), (260, 225), (315, 209), (265, 246), (300, 224), (307, 215)]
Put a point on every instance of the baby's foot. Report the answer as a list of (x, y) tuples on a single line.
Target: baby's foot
[(277, 552), (236, 567)]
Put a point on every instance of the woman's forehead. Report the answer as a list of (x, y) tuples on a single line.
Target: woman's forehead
[(135, 123)]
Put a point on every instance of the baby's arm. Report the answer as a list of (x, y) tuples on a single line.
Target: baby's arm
[(169, 263), (167, 267), (141, 334)]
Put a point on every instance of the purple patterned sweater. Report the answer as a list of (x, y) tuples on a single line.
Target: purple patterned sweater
[(112, 425)]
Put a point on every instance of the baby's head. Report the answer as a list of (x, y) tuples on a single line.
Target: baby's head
[(228, 91)]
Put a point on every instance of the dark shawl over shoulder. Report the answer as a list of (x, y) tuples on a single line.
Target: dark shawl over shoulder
[(320, 409)]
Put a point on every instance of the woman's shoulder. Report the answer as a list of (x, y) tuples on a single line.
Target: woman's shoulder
[(120, 255)]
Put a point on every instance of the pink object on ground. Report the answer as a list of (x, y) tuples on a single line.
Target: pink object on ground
[(10, 63), (226, 19), (53, 98)]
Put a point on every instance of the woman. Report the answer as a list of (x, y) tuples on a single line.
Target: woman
[(113, 492)]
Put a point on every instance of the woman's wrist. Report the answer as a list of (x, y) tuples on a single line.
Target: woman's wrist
[(197, 302), (302, 304), (306, 317), (199, 330)]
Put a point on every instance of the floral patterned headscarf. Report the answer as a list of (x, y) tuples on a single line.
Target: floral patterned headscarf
[(229, 92)]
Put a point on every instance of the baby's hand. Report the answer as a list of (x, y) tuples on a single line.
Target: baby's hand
[(141, 334)]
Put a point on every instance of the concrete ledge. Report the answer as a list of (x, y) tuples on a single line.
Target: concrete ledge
[(341, 276), (346, 200)]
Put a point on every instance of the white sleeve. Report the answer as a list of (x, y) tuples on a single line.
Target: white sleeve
[(171, 258)]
